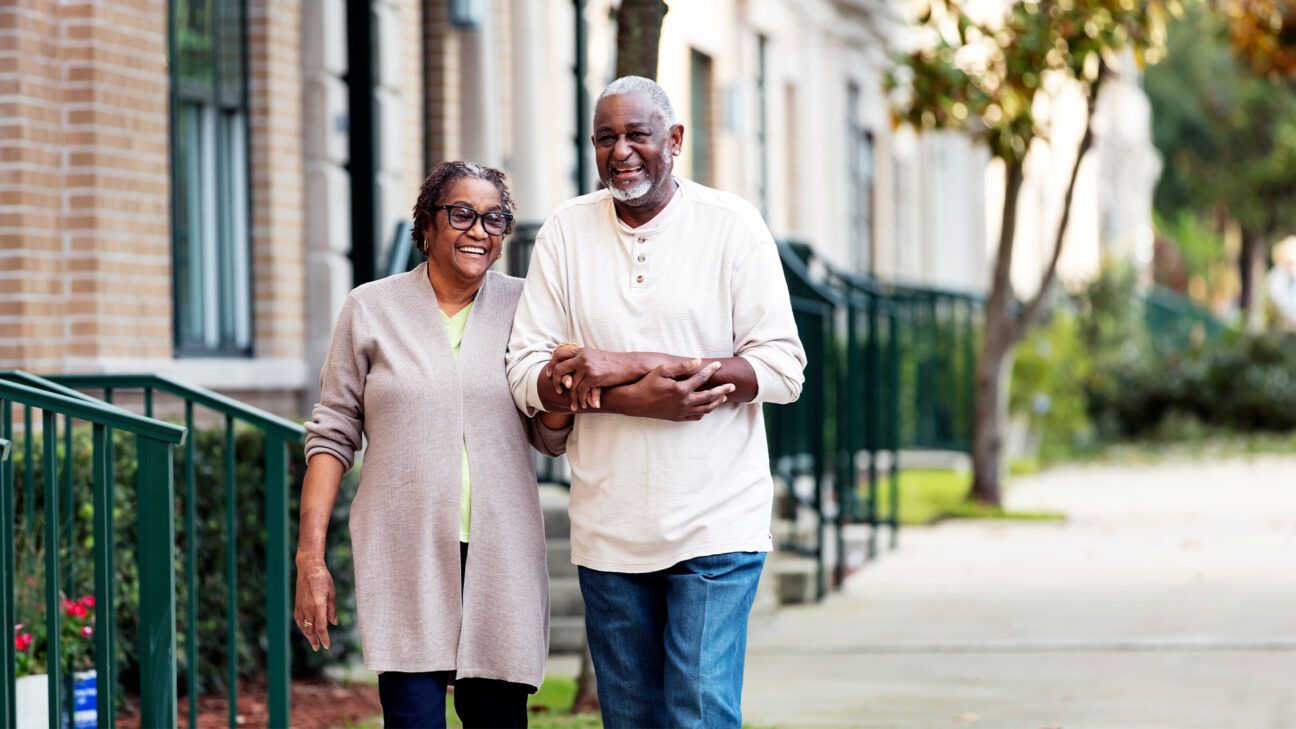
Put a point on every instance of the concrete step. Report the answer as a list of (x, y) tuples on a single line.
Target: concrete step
[(565, 598), (553, 503), (558, 555), (566, 635)]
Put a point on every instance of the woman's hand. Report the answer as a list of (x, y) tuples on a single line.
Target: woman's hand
[(316, 606), (584, 370)]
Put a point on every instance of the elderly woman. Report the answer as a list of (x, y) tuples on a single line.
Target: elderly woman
[(416, 369)]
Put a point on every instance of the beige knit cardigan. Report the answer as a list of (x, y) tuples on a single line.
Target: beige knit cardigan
[(390, 376)]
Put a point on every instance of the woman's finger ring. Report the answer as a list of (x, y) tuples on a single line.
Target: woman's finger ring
[(307, 624)]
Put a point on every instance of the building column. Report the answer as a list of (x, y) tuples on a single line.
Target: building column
[(480, 129), (328, 185), (530, 156)]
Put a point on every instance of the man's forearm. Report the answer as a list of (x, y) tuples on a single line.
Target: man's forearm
[(734, 371)]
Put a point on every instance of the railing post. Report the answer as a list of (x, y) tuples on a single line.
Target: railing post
[(8, 711), (156, 557), (53, 606), (104, 574), (277, 606)]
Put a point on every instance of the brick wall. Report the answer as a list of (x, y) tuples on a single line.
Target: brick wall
[(84, 207), (442, 97), (277, 177)]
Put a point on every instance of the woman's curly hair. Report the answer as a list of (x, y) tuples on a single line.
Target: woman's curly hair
[(438, 182)]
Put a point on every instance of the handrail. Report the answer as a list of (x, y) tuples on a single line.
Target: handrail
[(200, 395), (155, 543), (279, 433), (92, 411), (401, 254)]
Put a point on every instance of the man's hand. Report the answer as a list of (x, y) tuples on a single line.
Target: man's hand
[(661, 395), (584, 370)]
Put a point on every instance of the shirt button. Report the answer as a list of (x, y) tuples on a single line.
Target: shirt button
[(638, 279), (642, 239), (642, 258)]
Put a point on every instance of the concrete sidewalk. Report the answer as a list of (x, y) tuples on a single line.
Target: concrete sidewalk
[(1167, 600)]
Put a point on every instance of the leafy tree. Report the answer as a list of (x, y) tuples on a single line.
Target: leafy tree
[(1224, 111), (984, 76), (638, 39)]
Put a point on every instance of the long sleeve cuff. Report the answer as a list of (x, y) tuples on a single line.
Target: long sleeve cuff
[(547, 440), (778, 376)]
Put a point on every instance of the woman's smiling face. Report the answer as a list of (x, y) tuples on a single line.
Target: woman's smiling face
[(465, 254)]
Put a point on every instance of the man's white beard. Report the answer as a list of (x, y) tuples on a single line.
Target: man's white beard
[(630, 194)]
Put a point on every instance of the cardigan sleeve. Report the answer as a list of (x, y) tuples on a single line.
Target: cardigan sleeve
[(337, 421), (552, 443), (541, 323)]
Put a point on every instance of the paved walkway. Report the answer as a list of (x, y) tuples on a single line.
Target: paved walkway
[(1167, 600)]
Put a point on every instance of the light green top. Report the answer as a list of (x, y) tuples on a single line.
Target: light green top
[(455, 330)]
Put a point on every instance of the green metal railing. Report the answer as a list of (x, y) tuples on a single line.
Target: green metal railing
[(402, 256), (1177, 320), (155, 537), (278, 433), (896, 367), (799, 433)]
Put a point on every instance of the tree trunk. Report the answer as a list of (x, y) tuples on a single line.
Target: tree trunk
[(996, 345), (1251, 263), (638, 37), (586, 686)]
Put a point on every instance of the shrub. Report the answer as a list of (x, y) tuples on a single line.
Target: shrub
[(211, 546)]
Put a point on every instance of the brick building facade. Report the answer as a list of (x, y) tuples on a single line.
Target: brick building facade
[(192, 186)]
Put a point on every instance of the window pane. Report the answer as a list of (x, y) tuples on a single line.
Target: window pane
[(193, 47), (703, 117), (210, 185), (229, 51), (189, 223)]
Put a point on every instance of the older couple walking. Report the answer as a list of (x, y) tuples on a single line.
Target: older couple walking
[(653, 322)]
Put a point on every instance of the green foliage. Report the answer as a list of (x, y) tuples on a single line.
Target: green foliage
[(1048, 384), (930, 495), (1227, 134), (211, 542)]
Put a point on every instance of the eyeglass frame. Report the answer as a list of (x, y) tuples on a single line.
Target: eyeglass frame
[(508, 218)]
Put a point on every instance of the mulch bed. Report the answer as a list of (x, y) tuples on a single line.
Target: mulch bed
[(316, 704)]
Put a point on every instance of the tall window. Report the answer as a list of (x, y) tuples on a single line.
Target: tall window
[(209, 178), (859, 142), (701, 98)]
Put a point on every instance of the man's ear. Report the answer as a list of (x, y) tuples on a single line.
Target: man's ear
[(677, 139)]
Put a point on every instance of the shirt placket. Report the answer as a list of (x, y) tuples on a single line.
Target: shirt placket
[(639, 255)]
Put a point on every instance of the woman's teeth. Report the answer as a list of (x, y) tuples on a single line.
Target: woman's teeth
[(473, 250)]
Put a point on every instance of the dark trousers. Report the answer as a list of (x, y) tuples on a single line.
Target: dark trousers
[(418, 700)]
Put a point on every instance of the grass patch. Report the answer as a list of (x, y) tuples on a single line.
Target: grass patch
[(928, 496)]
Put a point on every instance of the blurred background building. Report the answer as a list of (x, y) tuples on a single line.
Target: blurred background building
[(192, 187)]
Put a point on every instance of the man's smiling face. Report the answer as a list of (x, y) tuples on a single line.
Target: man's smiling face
[(634, 149)]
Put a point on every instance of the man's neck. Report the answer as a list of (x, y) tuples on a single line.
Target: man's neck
[(637, 216)]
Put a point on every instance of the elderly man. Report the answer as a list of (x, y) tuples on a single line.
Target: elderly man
[(657, 310)]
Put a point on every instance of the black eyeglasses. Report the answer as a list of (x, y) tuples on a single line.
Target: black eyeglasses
[(464, 218)]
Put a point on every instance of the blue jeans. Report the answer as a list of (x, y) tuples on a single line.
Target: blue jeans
[(668, 646)]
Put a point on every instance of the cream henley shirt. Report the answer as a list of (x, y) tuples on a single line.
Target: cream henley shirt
[(703, 279)]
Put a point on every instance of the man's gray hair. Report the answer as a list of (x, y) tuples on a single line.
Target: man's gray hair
[(645, 86)]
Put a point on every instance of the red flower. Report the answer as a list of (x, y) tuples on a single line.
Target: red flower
[(67, 606), (23, 641), (87, 631), (88, 601), (76, 610)]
